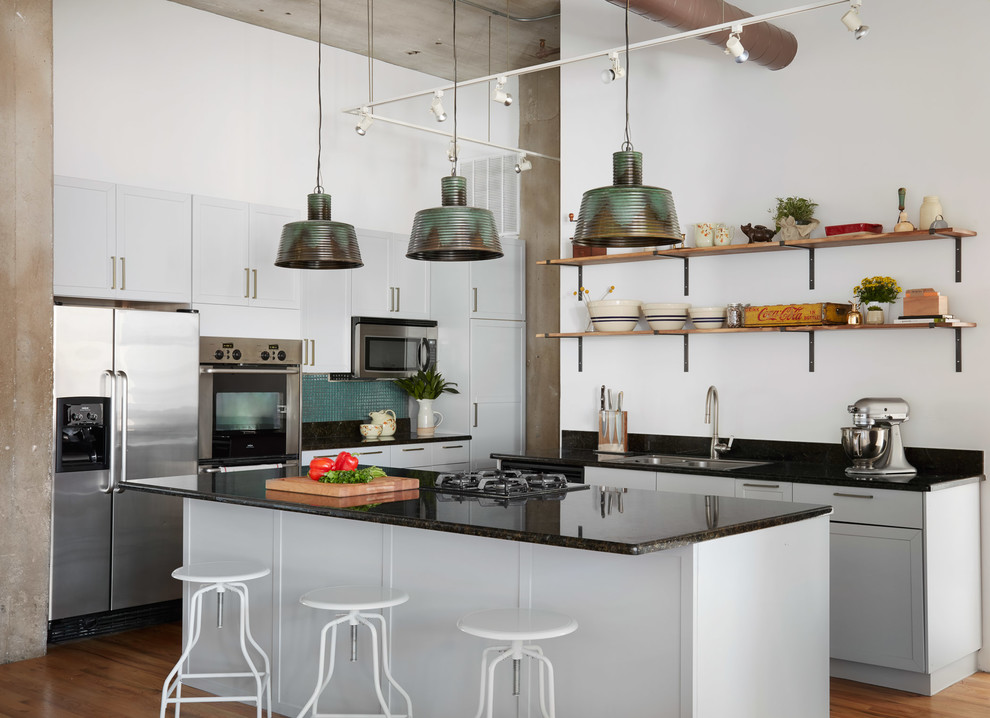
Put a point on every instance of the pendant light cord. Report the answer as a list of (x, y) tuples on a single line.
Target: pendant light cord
[(371, 51), (453, 161), (319, 94), (627, 145)]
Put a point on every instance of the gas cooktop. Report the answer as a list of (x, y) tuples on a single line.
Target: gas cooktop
[(505, 484)]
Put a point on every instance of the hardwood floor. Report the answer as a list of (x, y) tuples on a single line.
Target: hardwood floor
[(121, 676)]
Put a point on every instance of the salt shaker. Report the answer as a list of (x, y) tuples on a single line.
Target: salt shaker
[(734, 316)]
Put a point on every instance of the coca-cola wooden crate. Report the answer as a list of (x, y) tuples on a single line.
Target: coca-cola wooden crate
[(793, 315)]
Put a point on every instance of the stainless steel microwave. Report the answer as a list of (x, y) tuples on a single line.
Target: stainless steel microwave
[(391, 348)]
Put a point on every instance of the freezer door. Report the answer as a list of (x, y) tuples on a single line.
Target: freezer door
[(83, 350), (157, 363), (80, 544)]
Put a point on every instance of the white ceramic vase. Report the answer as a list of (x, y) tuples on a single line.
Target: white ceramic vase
[(427, 420), (874, 316), (930, 209)]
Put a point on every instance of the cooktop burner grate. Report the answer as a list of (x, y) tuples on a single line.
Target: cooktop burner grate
[(505, 483)]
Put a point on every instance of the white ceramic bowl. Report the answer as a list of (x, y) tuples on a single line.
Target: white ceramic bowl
[(614, 315), (371, 430), (707, 317), (665, 316)]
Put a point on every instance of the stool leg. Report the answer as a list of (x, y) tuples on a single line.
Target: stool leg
[(195, 611), (321, 682), (537, 653), (245, 632), (491, 679), (385, 660), (374, 663)]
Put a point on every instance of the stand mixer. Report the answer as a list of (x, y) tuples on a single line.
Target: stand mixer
[(874, 443)]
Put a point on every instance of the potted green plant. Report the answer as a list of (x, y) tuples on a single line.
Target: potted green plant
[(794, 217), (424, 387), (873, 292)]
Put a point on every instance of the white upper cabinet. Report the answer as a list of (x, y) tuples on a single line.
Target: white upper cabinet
[(326, 320), (389, 284), (118, 242), (235, 244), (498, 285)]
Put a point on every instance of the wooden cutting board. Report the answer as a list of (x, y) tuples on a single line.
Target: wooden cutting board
[(305, 485), (341, 502)]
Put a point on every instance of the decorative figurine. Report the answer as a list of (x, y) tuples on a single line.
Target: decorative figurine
[(759, 233), (903, 225)]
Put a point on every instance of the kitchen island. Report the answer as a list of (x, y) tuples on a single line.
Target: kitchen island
[(688, 606)]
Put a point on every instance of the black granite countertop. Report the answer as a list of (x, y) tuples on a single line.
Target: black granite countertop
[(328, 435), (622, 521), (786, 461)]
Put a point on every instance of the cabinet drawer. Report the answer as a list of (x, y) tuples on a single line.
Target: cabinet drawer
[(407, 456), (880, 507), (696, 484), (369, 455)]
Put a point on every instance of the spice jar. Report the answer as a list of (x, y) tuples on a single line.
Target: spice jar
[(734, 316)]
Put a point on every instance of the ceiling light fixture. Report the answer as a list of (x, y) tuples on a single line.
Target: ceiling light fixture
[(318, 242), (852, 22), (365, 122), (454, 232), (627, 213), (523, 164), (499, 94), (615, 72), (734, 46), (436, 107)]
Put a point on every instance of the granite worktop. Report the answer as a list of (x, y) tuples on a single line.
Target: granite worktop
[(328, 435), (797, 462), (621, 521)]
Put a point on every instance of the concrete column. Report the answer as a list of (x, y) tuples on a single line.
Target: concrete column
[(539, 130), (25, 324)]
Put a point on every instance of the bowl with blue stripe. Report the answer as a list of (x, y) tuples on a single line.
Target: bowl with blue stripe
[(614, 315), (707, 317), (666, 316)]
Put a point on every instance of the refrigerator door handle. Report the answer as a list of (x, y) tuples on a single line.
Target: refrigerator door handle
[(117, 481), (113, 432)]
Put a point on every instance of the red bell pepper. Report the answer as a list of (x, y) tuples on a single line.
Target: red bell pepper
[(319, 466), (345, 462)]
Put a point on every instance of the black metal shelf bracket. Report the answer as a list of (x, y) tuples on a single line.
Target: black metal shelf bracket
[(687, 284), (958, 259), (811, 351), (686, 353), (958, 331), (580, 354)]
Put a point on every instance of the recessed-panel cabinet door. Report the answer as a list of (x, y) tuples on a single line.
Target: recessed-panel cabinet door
[(272, 286), (372, 295), (410, 279), (497, 284), (326, 320), (221, 271), (85, 238), (154, 245)]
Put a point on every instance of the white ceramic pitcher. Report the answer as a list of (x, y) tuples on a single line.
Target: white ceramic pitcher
[(427, 420), (384, 419)]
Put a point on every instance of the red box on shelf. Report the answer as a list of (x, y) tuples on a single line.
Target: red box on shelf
[(835, 229)]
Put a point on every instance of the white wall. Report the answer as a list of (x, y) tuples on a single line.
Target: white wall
[(847, 123)]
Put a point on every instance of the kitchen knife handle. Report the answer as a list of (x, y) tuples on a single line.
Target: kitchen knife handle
[(113, 426), (122, 475)]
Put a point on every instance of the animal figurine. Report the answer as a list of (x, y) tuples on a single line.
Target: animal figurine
[(759, 233)]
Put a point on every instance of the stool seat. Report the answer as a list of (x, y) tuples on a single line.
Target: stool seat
[(220, 571), (353, 598), (517, 624)]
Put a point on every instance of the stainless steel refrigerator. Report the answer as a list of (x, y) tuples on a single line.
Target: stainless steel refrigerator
[(126, 407)]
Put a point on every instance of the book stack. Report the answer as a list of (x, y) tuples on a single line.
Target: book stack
[(926, 319)]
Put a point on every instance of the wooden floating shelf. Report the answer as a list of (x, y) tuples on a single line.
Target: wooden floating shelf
[(842, 240), (743, 330)]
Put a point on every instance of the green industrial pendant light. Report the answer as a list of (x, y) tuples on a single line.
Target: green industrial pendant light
[(627, 213), (317, 242), (454, 232)]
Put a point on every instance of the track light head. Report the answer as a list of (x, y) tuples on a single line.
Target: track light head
[(523, 164), (734, 46), (436, 107), (365, 122), (616, 71), (853, 23), (499, 94)]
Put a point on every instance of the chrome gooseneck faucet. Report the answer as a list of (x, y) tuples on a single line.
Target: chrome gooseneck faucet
[(711, 417)]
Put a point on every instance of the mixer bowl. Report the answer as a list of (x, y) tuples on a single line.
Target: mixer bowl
[(865, 444)]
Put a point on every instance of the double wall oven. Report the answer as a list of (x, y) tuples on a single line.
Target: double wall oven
[(249, 404)]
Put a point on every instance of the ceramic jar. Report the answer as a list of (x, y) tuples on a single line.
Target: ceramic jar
[(704, 234), (427, 420), (385, 419), (930, 209)]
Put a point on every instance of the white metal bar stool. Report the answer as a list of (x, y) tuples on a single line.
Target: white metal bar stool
[(516, 625), (357, 603), (220, 576)]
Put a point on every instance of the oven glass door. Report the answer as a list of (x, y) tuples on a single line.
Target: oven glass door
[(252, 414)]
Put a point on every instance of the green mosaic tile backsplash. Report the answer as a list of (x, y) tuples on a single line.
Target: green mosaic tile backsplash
[(324, 400)]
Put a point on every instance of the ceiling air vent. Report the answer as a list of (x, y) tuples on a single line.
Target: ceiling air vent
[(494, 184)]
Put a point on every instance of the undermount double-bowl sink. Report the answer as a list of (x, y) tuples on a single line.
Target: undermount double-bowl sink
[(685, 462)]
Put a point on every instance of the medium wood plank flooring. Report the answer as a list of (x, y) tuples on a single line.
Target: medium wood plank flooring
[(120, 676)]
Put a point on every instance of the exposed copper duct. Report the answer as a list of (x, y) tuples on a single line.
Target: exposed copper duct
[(768, 45)]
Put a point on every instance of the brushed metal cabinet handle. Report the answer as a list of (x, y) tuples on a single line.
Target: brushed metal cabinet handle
[(305, 352), (419, 448), (123, 273), (476, 415), (454, 446), (247, 282), (398, 299), (391, 299), (255, 273), (113, 266), (763, 486), (312, 354), (475, 306), (853, 496), (366, 453)]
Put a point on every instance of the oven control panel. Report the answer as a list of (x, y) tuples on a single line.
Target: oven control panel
[(230, 350)]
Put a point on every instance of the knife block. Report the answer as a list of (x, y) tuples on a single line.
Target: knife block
[(613, 431)]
